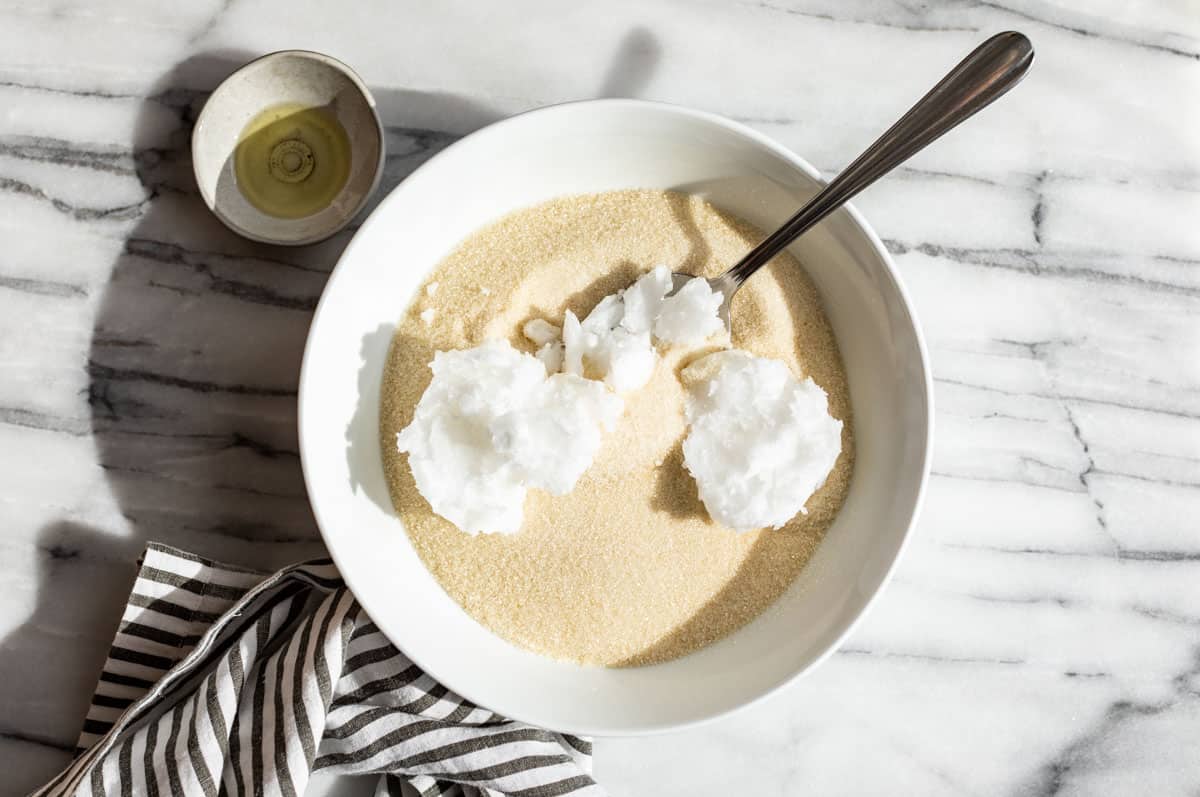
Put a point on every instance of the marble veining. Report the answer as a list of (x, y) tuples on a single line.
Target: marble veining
[(1042, 635)]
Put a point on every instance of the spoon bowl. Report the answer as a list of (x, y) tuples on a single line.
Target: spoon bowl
[(722, 285)]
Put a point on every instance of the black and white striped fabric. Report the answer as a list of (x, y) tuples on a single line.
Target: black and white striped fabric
[(220, 682)]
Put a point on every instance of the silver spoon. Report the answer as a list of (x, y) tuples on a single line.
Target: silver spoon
[(992, 69)]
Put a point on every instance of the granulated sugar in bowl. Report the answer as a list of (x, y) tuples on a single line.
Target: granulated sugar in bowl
[(585, 148)]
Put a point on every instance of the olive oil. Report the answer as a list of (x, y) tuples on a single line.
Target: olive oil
[(292, 160)]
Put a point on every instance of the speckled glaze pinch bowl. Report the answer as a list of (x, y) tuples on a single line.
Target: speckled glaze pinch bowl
[(289, 76), (604, 145)]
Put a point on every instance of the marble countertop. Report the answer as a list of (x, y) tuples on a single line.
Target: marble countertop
[(1042, 635)]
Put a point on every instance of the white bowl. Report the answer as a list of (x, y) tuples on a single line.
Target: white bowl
[(569, 149)]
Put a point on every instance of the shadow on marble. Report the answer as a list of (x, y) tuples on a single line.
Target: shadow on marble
[(633, 65), (192, 375), (196, 348), (49, 664)]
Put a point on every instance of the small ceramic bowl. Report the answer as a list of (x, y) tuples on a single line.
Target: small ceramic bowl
[(289, 76), (603, 145)]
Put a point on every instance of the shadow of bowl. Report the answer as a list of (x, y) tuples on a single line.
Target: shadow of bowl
[(197, 341)]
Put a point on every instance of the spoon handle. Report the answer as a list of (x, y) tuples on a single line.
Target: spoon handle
[(992, 69)]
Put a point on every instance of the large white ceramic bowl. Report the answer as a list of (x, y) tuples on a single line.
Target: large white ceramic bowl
[(570, 149)]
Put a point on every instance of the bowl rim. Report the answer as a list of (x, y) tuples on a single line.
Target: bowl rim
[(339, 66), (762, 140)]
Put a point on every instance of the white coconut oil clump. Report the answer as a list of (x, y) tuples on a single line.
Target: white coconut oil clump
[(689, 316), (492, 424), (760, 443), (600, 345), (495, 422), (615, 341), (643, 300), (549, 338)]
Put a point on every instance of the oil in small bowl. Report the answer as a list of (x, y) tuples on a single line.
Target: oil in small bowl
[(292, 160)]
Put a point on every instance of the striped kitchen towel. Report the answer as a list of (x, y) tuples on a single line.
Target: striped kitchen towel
[(223, 681)]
